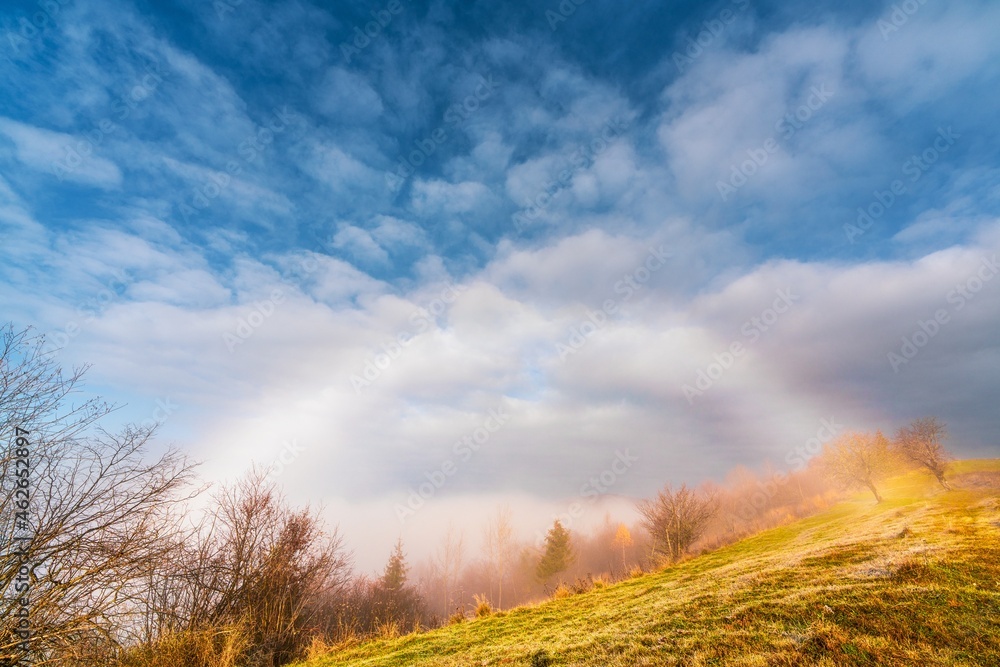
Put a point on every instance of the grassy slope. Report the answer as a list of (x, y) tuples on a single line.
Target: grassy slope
[(847, 587)]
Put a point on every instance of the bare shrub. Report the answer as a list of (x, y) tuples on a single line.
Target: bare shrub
[(675, 518)]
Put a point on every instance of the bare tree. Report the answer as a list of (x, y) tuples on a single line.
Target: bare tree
[(448, 560), (859, 460), (676, 518), (101, 516), (920, 444), (500, 547)]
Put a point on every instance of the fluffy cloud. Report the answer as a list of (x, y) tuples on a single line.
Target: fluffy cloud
[(304, 300)]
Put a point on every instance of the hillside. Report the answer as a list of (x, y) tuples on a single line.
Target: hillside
[(913, 581)]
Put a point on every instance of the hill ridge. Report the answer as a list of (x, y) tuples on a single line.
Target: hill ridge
[(914, 580)]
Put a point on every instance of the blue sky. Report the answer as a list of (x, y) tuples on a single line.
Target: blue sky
[(287, 231)]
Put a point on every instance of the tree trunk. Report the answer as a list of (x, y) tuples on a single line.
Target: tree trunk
[(871, 486)]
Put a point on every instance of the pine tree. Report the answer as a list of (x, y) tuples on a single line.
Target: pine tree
[(558, 553), (396, 601), (394, 577)]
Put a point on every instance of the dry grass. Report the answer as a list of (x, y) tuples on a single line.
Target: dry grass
[(913, 581), (217, 647), (387, 630), (561, 591), (483, 608)]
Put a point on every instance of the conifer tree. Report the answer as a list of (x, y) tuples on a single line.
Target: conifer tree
[(394, 577), (398, 602), (558, 553)]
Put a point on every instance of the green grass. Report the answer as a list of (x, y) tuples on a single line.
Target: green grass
[(912, 581)]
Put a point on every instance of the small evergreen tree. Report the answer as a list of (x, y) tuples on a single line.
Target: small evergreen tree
[(558, 554), (396, 602), (394, 577)]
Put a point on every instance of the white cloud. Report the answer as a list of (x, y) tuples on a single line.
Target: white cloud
[(164, 332), (236, 192), (360, 245), (432, 197), (731, 102), (60, 155), (192, 288), (933, 51), (347, 96), (335, 282), (331, 165), (394, 233)]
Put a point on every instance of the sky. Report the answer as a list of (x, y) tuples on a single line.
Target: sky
[(425, 257)]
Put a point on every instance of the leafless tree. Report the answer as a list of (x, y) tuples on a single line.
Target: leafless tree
[(500, 547), (112, 562), (101, 516), (676, 518), (448, 562), (859, 460), (920, 444)]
